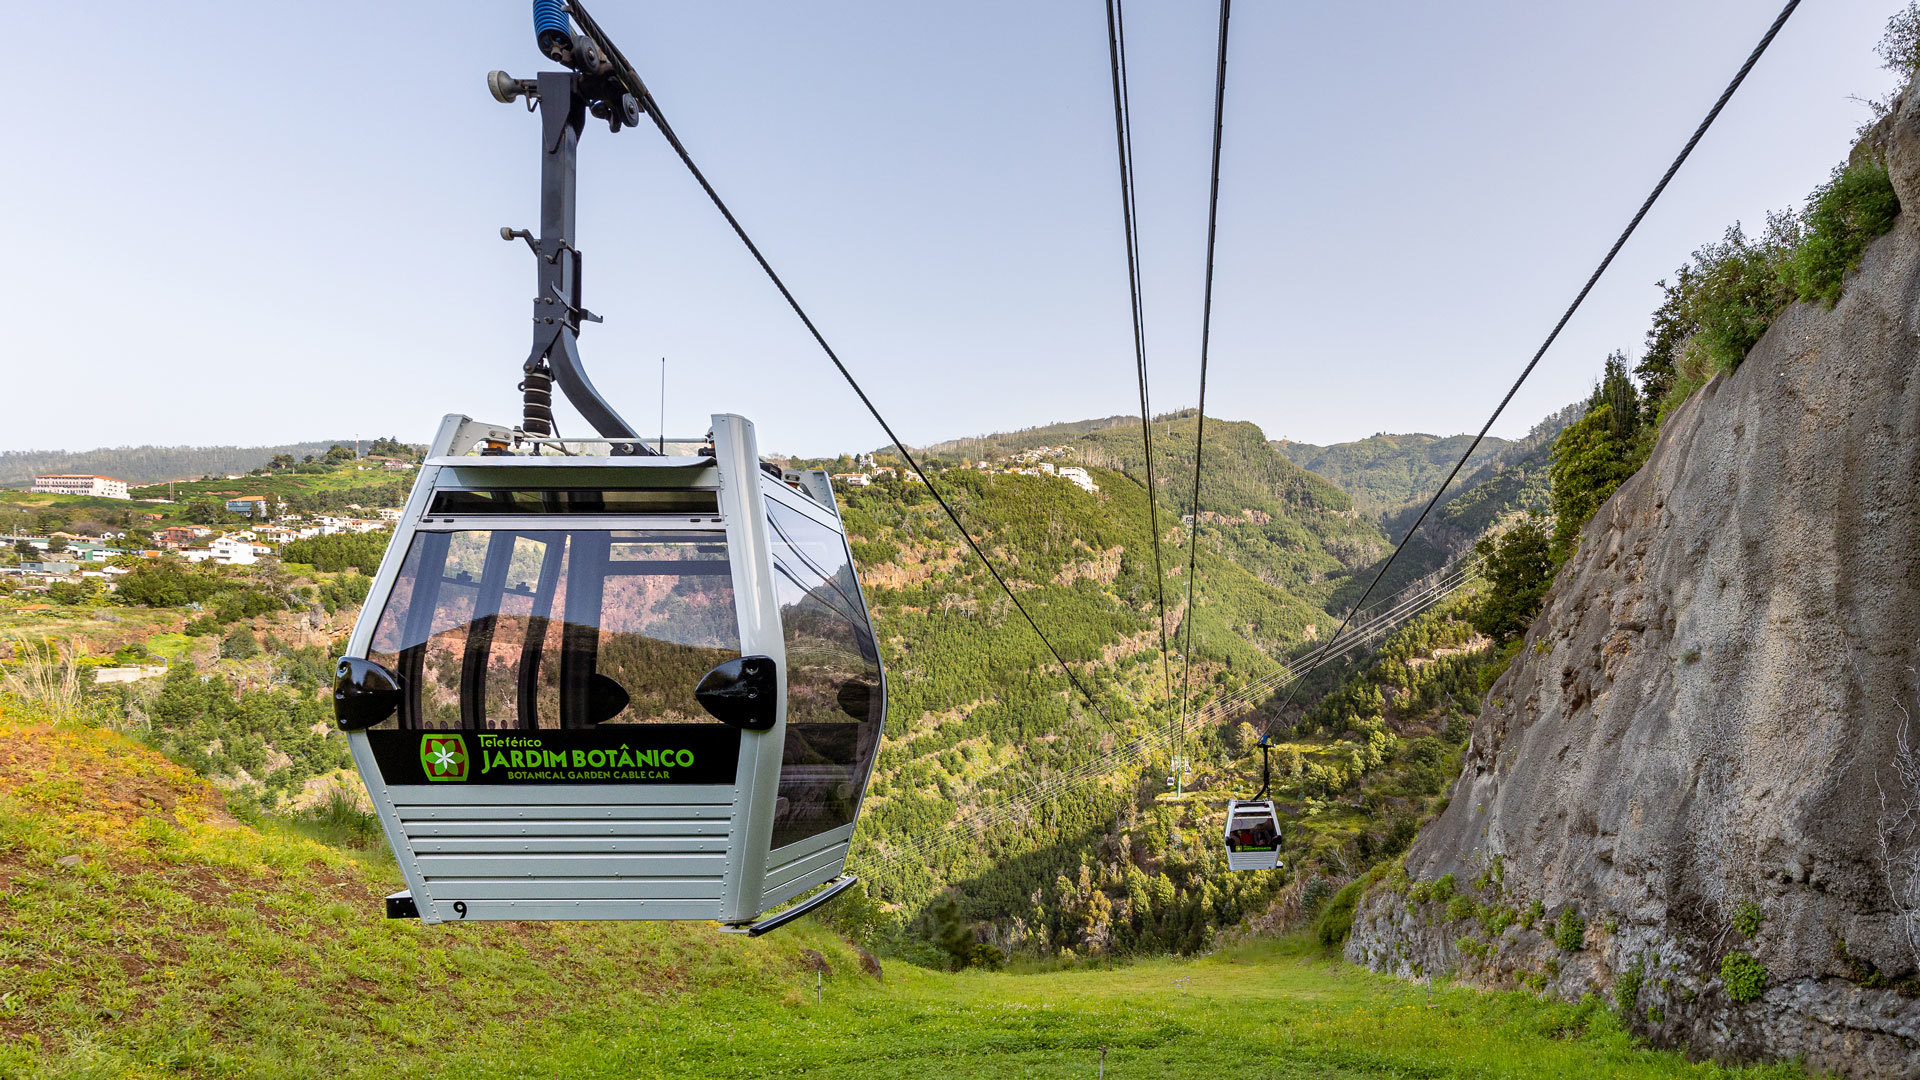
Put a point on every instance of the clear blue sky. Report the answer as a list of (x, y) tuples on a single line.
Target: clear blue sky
[(252, 224)]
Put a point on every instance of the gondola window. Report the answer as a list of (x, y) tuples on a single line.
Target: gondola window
[(835, 702), (505, 629)]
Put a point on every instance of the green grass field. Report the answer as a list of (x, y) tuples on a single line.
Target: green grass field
[(145, 933)]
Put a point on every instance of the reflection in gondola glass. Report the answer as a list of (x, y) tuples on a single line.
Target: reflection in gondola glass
[(499, 629), (835, 702)]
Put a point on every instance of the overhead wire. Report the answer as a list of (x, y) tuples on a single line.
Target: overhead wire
[(1206, 335), (1579, 298), (630, 78), (1123, 141)]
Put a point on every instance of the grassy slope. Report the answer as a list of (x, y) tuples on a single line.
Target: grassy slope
[(183, 943)]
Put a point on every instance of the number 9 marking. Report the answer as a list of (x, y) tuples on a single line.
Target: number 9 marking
[(460, 908)]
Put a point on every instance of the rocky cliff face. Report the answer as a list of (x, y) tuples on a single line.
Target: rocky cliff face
[(1702, 722)]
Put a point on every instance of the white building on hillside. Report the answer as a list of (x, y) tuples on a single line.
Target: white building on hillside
[(228, 551), (1080, 477), (103, 487)]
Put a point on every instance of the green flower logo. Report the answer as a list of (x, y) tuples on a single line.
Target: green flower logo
[(444, 757)]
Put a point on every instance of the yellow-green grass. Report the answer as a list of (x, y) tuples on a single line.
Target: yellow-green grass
[(145, 933), (36, 618)]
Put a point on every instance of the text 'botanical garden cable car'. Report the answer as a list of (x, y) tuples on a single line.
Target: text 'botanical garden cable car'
[(1253, 827), (602, 680)]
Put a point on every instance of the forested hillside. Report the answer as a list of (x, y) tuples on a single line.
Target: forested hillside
[(150, 464), (1384, 472), (980, 714), (979, 710)]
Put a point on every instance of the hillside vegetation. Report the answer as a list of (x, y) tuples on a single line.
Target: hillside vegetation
[(149, 464), (146, 932), (1385, 472), (979, 711)]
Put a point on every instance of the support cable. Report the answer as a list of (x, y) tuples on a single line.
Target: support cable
[(1580, 297), (632, 81), (1206, 334), (1123, 140)]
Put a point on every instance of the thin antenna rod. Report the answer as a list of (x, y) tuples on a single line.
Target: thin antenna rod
[(663, 405)]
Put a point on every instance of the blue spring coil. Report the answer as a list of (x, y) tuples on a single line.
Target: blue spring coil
[(550, 24)]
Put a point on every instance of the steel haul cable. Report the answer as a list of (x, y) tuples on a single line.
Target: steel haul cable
[(1206, 334), (1579, 298), (1123, 140), (635, 86)]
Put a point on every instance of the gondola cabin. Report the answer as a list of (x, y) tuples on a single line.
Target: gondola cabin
[(1253, 835), (613, 687)]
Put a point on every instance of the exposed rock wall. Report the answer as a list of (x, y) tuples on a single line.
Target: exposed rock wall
[(1703, 715)]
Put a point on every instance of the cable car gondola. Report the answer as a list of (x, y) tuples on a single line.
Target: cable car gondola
[(600, 679), (613, 687), (1252, 832)]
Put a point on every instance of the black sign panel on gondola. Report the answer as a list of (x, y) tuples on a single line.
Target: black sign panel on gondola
[(620, 754)]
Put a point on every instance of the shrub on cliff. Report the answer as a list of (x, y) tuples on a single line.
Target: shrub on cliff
[(1717, 307), (1843, 216), (1743, 976), (1571, 932)]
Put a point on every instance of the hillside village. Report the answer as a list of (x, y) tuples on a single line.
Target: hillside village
[(69, 541), (1039, 461)]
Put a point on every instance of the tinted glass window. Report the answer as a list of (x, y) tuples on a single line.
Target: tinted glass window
[(504, 629), (835, 705)]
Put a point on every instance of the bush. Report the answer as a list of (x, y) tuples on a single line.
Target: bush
[(340, 551), (1738, 292), (1336, 922), (1899, 50), (1747, 918), (1444, 888), (1571, 932), (239, 644), (1496, 920), (1743, 976), (1626, 988), (1315, 893), (1843, 216), (166, 583), (1716, 308)]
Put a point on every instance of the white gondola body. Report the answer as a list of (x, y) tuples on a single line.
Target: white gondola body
[(518, 587), (1252, 835)]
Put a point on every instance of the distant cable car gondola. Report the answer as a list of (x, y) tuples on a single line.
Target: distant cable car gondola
[(1253, 827), (602, 680)]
